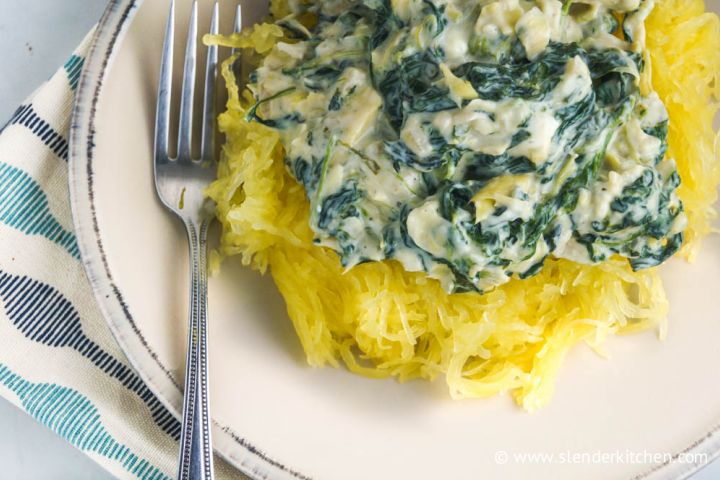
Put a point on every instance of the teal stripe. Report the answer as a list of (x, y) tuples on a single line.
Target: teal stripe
[(52, 413), (18, 384), (42, 228), (14, 183), (74, 417), (24, 206), (105, 444), (71, 404), (130, 462), (92, 437), (36, 406), (112, 453), (32, 214), (16, 186), (83, 427), (73, 68), (139, 469)]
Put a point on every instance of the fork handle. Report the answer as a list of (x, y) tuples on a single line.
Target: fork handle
[(196, 459)]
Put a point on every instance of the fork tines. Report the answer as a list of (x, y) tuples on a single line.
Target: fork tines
[(162, 127)]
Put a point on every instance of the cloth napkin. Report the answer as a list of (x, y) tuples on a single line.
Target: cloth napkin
[(58, 359)]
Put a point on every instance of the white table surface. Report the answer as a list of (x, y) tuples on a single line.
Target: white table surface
[(36, 36)]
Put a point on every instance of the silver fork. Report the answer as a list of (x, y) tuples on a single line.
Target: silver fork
[(180, 183)]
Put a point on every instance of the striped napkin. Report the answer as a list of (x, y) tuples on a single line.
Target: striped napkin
[(58, 359)]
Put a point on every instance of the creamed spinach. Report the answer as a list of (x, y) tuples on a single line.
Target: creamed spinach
[(472, 139)]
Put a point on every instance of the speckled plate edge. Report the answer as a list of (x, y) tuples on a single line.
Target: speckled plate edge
[(232, 447)]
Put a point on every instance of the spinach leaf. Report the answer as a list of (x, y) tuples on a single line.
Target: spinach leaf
[(379, 15), (533, 269), (438, 14), (488, 240), (400, 154), (252, 112), (614, 88), (520, 78), (463, 282), (659, 131), (636, 193), (453, 197), (338, 206), (293, 28), (519, 137), (630, 236), (280, 122), (576, 115), (308, 174), (603, 62), (335, 101), (324, 77), (411, 87), (443, 153), (648, 257), (483, 167)]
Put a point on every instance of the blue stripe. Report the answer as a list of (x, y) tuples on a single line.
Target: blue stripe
[(44, 315), (24, 206), (73, 68), (27, 117), (80, 425)]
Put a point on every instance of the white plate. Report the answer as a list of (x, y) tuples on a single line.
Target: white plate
[(274, 416)]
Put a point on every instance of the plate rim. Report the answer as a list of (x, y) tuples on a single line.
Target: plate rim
[(233, 448)]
